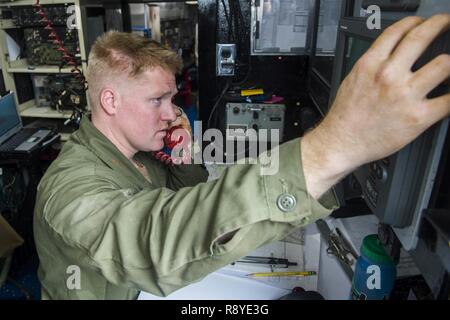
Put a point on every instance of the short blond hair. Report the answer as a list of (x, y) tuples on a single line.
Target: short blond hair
[(115, 54)]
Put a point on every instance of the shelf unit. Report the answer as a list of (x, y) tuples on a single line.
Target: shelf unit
[(22, 66), (11, 67), (44, 112)]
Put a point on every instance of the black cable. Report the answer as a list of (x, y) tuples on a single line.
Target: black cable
[(237, 24), (216, 27), (233, 22), (227, 85), (231, 26), (241, 38), (23, 48), (241, 16), (249, 70), (228, 18), (21, 288), (11, 197)]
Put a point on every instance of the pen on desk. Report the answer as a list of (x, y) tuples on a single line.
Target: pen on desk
[(283, 274)]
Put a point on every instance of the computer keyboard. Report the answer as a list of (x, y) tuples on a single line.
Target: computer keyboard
[(17, 139)]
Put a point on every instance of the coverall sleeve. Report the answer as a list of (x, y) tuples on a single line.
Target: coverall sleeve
[(185, 176), (159, 240)]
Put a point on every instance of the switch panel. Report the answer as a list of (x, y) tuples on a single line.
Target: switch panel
[(225, 59)]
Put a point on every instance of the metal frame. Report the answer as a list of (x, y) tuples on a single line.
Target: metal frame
[(312, 71), (350, 26), (256, 13), (412, 183)]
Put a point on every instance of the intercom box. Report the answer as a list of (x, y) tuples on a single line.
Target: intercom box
[(257, 116)]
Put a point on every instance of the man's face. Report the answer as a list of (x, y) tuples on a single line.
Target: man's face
[(146, 109)]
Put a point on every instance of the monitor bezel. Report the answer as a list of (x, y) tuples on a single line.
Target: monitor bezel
[(355, 27), (8, 134)]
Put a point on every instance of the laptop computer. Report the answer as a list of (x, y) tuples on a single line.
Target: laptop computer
[(14, 138)]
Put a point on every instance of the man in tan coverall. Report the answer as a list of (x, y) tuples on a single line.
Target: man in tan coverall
[(131, 223)]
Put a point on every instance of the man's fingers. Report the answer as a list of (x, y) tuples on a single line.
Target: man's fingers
[(384, 45), (439, 108), (431, 75), (418, 39)]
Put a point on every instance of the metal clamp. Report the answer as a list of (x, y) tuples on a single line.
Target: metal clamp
[(339, 247)]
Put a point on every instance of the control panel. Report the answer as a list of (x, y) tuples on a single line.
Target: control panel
[(243, 116)]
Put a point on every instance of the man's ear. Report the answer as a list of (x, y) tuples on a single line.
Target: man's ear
[(109, 100)]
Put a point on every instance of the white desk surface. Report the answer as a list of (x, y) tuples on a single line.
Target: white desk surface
[(232, 282)]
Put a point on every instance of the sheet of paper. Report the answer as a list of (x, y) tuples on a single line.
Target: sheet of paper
[(222, 286)]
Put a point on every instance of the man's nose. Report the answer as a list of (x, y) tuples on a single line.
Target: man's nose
[(169, 113)]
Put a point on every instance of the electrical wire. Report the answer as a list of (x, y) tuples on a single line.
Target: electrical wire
[(249, 70), (67, 56), (234, 8), (213, 110), (9, 184), (21, 288), (229, 21), (241, 37), (236, 25), (10, 198)]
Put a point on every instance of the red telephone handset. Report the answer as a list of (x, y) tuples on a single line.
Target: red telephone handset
[(171, 141)]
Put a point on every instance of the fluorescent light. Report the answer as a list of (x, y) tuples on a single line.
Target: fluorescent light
[(191, 2)]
